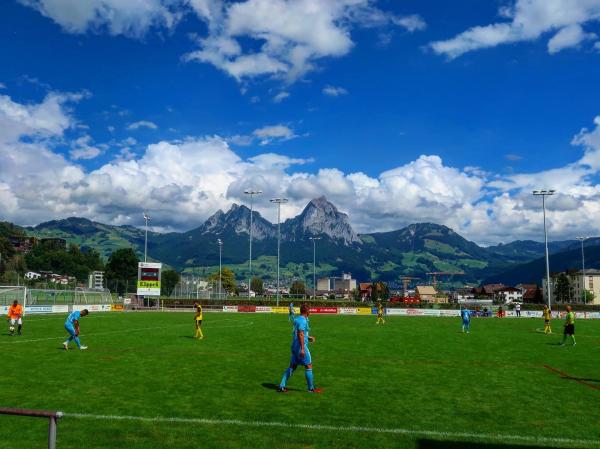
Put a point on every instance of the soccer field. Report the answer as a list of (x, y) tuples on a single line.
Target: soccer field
[(146, 383)]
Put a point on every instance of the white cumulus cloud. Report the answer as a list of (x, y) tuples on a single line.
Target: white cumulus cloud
[(528, 20), (142, 124)]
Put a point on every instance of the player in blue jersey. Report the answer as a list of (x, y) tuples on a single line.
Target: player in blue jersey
[(465, 314), (72, 327), (300, 352), (291, 313)]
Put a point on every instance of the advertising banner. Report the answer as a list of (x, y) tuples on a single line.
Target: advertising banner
[(280, 309), (450, 313), (92, 307), (38, 309), (117, 307), (347, 311), (323, 310), (395, 312), (263, 309), (230, 309), (60, 309), (247, 309), (149, 279), (363, 311)]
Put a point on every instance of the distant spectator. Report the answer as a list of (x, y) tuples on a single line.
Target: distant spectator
[(518, 309)]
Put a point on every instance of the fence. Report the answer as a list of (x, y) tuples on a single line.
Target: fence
[(52, 416)]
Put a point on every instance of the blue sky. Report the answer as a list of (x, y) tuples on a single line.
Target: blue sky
[(397, 111)]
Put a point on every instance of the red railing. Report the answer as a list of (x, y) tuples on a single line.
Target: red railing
[(52, 416)]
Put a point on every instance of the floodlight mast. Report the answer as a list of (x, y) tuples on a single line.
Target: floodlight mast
[(544, 194), (582, 239), (220, 243), (251, 193), (279, 202), (146, 219), (314, 240)]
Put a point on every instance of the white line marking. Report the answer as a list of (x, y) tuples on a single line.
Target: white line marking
[(62, 337), (325, 427)]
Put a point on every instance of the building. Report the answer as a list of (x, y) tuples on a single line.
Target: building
[(345, 284), (487, 290), (22, 244), (463, 295), (31, 275), (96, 280), (54, 243), (577, 284), (427, 293), (324, 285), (508, 295)]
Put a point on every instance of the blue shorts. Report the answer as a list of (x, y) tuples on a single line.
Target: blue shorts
[(297, 360), (466, 322), (70, 329)]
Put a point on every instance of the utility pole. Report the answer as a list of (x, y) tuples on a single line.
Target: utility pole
[(582, 239), (279, 202), (251, 193), (543, 194), (314, 240)]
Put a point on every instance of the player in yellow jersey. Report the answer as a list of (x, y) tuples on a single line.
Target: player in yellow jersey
[(198, 320), (380, 313), (547, 314)]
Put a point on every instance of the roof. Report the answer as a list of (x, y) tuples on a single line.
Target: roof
[(491, 288), (508, 289), (426, 290), (365, 286)]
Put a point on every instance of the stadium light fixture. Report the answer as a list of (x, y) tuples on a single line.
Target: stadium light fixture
[(544, 194), (314, 240), (251, 193), (582, 239), (279, 202)]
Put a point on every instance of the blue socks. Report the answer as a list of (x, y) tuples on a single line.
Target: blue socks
[(286, 375), (309, 379)]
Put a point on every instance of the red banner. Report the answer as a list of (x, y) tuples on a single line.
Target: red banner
[(247, 309), (323, 309)]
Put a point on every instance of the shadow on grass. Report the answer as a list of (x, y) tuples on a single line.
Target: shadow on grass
[(434, 444), (188, 336), (271, 386)]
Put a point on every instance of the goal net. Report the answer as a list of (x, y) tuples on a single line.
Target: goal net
[(10, 293)]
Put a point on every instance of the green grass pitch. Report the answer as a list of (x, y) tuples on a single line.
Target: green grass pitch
[(411, 383)]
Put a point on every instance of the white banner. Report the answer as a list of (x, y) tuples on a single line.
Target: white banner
[(263, 309), (38, 309), (230, 309), (347, 311), (60, 309), (92, 307)]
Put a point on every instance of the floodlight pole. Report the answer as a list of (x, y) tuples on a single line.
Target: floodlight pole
[(314, 240), (279, 202), (543, 194), (582, 239), (146, 218), (220, 242), (251, 193)]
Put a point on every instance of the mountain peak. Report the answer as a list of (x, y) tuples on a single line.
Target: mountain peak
[(321, 217), (237, 219)]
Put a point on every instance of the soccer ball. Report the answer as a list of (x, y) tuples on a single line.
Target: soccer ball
[(11, 328)]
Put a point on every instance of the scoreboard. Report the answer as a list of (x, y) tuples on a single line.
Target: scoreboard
[(149, 279)]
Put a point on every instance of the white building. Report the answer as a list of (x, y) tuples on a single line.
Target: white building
[(324, 285), (96, 280), (32, 275), (345, 284), (508, 295), (577, 283)]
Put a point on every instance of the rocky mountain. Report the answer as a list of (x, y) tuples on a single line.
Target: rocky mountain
[(237, 220), (320, 218), (414, 250)]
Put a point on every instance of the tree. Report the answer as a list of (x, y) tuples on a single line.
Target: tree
[(589, 296), (539, 296), (563, 288), (169, 279), (122, 268), (257, 286), (298, 288), (379, 291), (227, 279)]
